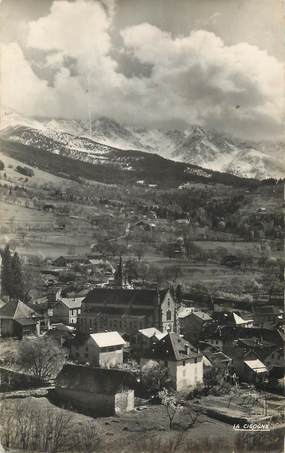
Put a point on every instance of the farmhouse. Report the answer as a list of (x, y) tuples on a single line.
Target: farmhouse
[(67, 309), (17, 320), (193, 325), (184, 362), (233, 319), (96, 391), (103, 349), (127, 310), (143, 339)]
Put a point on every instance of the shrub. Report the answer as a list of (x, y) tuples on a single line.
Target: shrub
[(26, 171)]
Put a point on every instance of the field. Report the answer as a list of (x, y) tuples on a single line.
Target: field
[(146, 429)]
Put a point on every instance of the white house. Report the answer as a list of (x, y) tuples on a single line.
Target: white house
[(103, 349), (184, 362)]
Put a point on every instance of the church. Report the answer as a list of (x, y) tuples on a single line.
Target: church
[(126, 310)]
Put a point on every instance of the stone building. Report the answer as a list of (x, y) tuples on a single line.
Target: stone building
[(96, 391), (67, 309), (103, 349), (18, 320), (127, 310), (183, 361)]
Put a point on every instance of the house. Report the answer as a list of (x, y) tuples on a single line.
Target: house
[(96, 391), (232, 319), (214, 358), (67, 309), (183, 361), (104, 349), (18, 320), (127, 310), (254, 371), (144, 338), (182, 313), (270, 354), (246, 363), (193, 325), (266, 315), (70, 260), (61, 333)]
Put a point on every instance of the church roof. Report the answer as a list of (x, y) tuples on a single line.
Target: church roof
[(120, 296)]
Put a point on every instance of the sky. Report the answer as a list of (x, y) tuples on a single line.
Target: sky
[(149, 63)]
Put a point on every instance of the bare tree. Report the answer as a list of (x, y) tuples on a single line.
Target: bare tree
[(87, 438), (169, 401), (41, 357)]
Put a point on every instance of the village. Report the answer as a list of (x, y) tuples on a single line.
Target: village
[(142, 208), (120, 346)]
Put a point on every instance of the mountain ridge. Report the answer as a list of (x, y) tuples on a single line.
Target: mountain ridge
[(195, 145)]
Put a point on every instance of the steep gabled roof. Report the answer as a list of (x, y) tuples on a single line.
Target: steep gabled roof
[(172, 347), (202, 315), (105, 339), (121, 296), (72, 302), (95, 380), (239, 320), (256, 365), (16, 309), (150, 332)]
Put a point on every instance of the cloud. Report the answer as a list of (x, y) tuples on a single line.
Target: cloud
[(207, 79), (189, 79)]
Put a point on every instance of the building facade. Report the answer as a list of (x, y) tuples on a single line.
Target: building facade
[(67, 309), (100, 349), (96, 391), (127, 310), (183, 361)]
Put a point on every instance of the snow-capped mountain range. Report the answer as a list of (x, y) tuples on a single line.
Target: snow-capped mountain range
[(194, 145)]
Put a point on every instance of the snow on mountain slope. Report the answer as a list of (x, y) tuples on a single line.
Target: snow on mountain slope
[(195, 145)]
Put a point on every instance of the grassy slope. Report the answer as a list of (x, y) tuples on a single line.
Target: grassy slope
[(151, 167)]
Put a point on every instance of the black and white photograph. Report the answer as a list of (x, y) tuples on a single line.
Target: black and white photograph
[(142, 211)]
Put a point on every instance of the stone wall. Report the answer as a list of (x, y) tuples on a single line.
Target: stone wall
[(13, 380), (124, 401), (86, 402)]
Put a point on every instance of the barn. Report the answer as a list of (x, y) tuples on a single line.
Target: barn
[(96, 391)]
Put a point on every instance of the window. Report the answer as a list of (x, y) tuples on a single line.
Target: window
[(168, 315), (183, 363), (195, 361)]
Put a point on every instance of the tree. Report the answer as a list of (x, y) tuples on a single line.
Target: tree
[(169, 401), (6, 271), (155, 378), (17, 290), (88, 438), (42, 357)]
